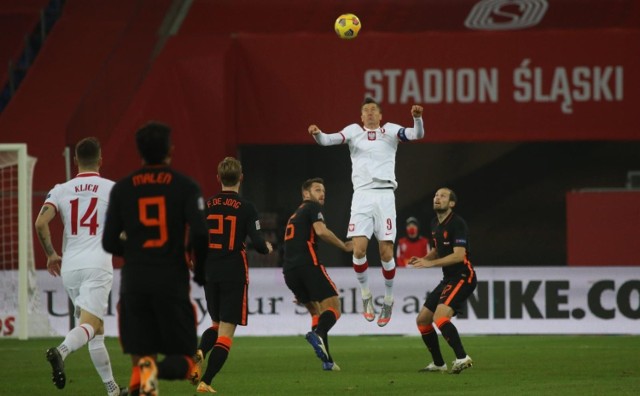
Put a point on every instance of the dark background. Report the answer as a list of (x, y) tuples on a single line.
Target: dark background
[(512, 195)]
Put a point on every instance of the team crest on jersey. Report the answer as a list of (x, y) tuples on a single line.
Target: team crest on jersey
[(445, 234), (371, 135), (352, 227), (257, 224), (320, 216)]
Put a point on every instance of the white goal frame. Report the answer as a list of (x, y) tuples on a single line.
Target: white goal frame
[(24, 205)]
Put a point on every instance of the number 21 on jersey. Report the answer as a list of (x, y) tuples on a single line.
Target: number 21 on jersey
[(219, 229)]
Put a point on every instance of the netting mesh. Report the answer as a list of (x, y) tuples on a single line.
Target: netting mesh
[(8, 210), (38, 323)]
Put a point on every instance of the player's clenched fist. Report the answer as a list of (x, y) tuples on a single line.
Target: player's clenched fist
[(314, 130), (416, 111)]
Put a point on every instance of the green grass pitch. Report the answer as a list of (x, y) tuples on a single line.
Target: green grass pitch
[(384, 365)]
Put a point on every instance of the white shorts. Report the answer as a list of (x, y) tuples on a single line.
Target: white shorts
[(373, 212), (89, 290)]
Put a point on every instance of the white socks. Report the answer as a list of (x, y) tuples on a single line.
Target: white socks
[(361, 267), (102, 363), (85, 334), (389, 272), (76, 339)]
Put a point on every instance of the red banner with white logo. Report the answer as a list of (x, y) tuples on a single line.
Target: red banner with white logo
[(480, 86)]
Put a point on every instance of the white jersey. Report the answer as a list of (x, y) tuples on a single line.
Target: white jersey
[(373, 155), (373, 152), (82, 205)]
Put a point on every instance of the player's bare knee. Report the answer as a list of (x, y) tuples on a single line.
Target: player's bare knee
[(313, 308), (94, 321), (330, 302), (359, 252), (360, 247), (443, 311), (424, 318), (335, 303), (333, 306), (386, 251)]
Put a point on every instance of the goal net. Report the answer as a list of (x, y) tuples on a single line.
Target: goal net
[(22, 312)]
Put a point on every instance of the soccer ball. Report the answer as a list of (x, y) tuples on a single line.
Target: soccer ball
[(347, 26)]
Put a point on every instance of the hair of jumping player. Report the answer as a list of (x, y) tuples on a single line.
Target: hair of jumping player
[(369, 100)]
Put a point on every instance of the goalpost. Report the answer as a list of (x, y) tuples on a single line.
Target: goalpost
[(21, 311)]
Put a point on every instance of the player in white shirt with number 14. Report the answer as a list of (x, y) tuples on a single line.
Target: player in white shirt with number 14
[(86, 269), (373, 207)]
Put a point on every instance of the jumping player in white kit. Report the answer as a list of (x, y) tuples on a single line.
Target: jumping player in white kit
[(373, 208), (86, 269)]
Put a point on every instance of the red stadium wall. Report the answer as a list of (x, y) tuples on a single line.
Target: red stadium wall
[(573, 76), (120, 76), (68, 65), (520, 86), (602, 228), (403, 16), (88, 51), (195, 104), (247, 72), (15, 26)]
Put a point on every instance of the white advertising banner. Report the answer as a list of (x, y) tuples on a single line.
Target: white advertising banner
[(508, 300)]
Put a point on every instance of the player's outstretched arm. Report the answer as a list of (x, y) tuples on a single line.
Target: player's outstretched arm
[(328, 236), (325, 139), (416, 111), (417, 132)]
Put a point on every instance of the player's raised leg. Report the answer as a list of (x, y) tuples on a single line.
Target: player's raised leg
[(389, 274), (75, 339), (361, 268)]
